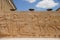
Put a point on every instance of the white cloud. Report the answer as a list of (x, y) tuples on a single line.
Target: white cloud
[(46, 4), (31, 1)]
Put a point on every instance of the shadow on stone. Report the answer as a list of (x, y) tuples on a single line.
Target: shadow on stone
[(49, 9), (31, 9)]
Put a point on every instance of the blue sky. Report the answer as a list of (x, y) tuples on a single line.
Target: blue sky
[(23, 5)]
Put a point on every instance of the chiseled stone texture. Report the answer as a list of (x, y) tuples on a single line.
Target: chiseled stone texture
[(30, 24)]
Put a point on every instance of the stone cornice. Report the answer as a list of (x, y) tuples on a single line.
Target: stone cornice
[(12, 4)]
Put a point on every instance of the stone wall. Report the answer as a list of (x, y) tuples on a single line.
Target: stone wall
[(29, 24), (4, 5)]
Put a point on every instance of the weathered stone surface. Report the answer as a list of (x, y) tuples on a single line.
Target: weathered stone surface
[(29, 24)]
